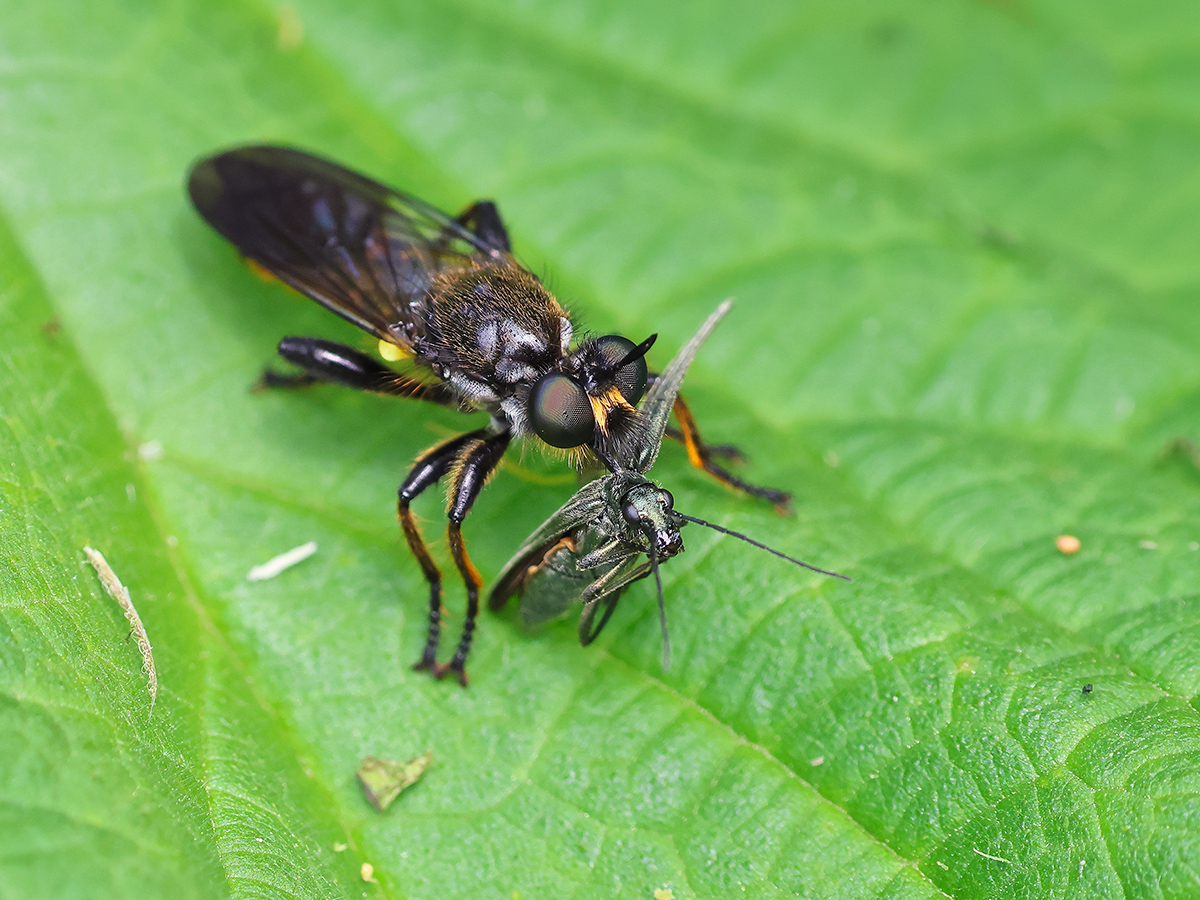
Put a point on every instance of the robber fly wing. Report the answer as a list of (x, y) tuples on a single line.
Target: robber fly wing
[(357, 247), (656, 408)]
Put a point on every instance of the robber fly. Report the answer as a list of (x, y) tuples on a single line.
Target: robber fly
[(479, 331), (592, 548)]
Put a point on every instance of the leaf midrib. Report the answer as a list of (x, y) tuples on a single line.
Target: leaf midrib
[(284, 725)]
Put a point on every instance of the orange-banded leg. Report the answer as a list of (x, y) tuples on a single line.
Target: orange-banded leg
[(727, 452), (475, 464), (701, 455), (429, 469)]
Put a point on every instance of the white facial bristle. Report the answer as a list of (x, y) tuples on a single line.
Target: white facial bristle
[(566, 332)]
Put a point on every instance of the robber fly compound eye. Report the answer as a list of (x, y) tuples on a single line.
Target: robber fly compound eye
[(560, 411), (630, 374)]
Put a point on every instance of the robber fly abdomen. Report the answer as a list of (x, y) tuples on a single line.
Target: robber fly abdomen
[(447, 295)]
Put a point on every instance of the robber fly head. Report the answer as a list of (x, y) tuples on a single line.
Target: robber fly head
[(590, 398)]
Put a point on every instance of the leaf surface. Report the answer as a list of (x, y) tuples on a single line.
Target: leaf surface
[(962, 246)]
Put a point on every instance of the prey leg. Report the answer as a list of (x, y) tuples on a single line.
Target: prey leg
[(701, 457), (430, 467), (607, 589), (475, 464)]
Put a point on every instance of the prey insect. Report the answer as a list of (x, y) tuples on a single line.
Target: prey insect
[(476, 330), (615, 530)]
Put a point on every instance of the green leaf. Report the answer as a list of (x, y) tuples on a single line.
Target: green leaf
[(962, 243)]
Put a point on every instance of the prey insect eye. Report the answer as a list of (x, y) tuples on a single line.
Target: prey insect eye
[(631, 378), (666, 499), (560, 412), (631, 514)]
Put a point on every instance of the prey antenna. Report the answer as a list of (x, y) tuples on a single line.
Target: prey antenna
[(662, 607), (755, 543)]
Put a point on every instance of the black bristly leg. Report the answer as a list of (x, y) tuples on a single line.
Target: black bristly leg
[(430, 467), (330, 362), (475, 465), (273, 379), (701, 456), (483, 219)]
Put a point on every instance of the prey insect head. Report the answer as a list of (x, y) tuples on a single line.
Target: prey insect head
[(651, 510), (605, 379)]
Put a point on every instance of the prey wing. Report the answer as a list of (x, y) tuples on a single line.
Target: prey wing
[(357, 247), (583, 508)]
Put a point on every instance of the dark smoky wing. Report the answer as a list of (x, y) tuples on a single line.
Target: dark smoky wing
[(357, 247)]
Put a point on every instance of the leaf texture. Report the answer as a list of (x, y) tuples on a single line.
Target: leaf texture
[(962, 246)]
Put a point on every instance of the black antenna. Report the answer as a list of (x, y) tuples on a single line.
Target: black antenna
[(662, 607), (755, 543), (637, 352)]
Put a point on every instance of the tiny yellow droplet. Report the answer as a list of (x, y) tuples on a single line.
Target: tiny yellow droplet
[(664, 894), (390, 351), (1067, 543), (367, 871)]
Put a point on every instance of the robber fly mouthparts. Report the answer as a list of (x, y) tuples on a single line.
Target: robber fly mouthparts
[(592, 548), (445, 294)]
